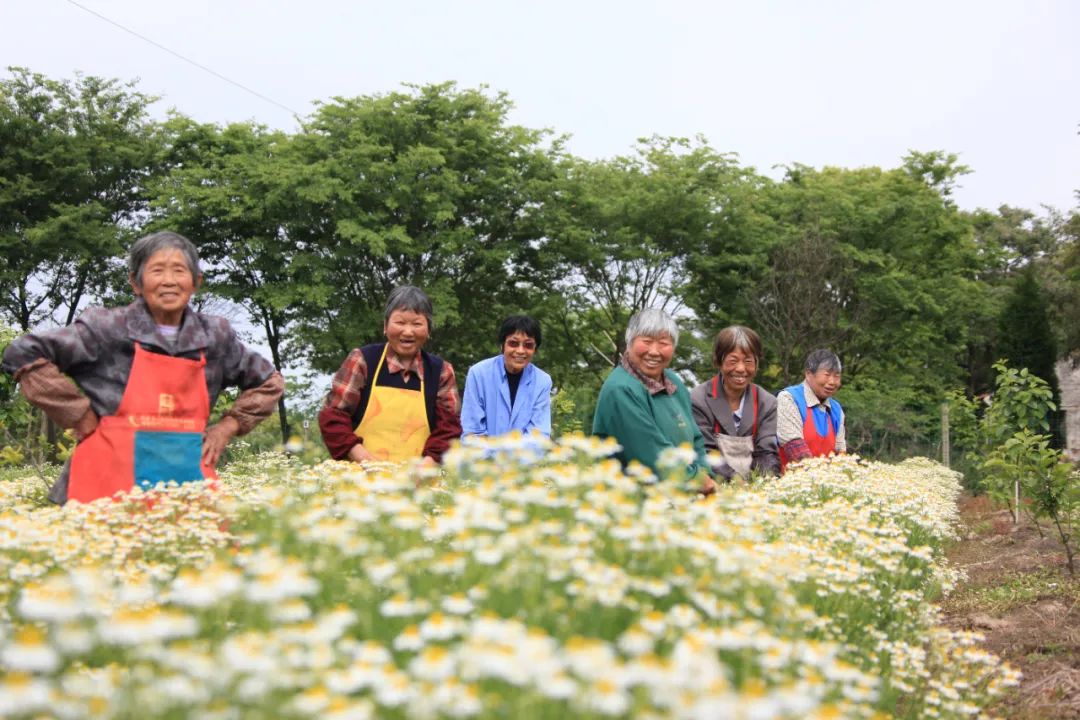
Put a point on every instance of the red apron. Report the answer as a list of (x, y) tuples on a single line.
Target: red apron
[(818, 444), (155, 435)]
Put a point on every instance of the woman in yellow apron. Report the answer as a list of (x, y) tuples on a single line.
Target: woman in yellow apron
[(736, 416), (393, 400)]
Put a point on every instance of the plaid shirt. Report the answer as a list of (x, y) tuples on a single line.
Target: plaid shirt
[(349, 385)]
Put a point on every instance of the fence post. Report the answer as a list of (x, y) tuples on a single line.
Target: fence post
[(1016, 513), (945, 434)]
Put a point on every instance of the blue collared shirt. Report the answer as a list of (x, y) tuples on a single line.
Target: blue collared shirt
[(485, 407)]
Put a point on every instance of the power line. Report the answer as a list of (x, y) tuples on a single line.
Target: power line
[(185, 59)]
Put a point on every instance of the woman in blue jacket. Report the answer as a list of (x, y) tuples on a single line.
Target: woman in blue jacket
[(507, 392)]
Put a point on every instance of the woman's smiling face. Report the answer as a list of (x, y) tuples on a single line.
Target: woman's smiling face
[(738, 369), (406, 332), (650, 355), (166, 283), (518, 350)]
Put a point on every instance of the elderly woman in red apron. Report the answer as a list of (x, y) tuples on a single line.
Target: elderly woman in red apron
[(393, 400), (148, 373), (736, 416), (810, 421)]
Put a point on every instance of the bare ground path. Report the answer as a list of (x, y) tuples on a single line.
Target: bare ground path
[(1019, 594)]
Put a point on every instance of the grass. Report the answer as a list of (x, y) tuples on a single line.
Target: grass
[(1015, 590)]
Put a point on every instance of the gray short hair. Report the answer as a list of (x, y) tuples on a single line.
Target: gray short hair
[(823, 360), (144, 248), (408, 297), (652, 322)]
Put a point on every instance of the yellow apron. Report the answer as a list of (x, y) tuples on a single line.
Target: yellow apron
[(395, 422)]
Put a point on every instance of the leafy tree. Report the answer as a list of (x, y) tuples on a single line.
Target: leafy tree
[(1059, 275), (77, 156), (781, 309), (880, 265), (1025, 338), (622, 235), (430, 186), (230, 191), (1041, 475)]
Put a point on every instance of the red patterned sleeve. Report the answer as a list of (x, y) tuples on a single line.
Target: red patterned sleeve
[(335, 419), (797, 450), (447, 415)]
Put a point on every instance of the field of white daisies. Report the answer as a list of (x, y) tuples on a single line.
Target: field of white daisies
[(506, 585)]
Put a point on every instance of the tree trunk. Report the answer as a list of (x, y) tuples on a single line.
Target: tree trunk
[(273, 339)]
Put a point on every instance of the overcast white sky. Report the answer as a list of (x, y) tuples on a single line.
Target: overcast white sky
[(821, 83)]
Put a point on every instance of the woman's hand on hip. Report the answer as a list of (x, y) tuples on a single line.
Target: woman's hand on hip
[(216, 438), (86, 426)]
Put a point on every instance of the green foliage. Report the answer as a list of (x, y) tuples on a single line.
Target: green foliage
[(572, 411), (890, 420), (1026, 339), (307, 232), (966, 440), (18, 426), (1060, 276), (432, 187), (1046, 481), (620, 234), (874, 264), (1021, 458), (1022, 401), (964, 418), (77, 155)]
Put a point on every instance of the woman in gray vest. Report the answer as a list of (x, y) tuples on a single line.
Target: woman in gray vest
[(736, 416)]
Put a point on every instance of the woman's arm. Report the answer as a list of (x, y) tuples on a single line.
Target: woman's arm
[(703, 417), (540, 418), (447, 418), (629, 420), (841, 435), (789, 427), (256, 404), (40, 361), (335, 419), (766, 458), (45, 387), (251, 408), (473, 416), (261, 387)]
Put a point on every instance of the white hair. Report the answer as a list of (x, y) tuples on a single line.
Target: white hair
[(652, 322)]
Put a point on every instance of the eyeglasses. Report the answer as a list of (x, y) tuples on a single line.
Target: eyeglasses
[(515, 344)]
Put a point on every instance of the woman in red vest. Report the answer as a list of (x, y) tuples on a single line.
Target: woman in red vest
[(810, 422), (148, 373)]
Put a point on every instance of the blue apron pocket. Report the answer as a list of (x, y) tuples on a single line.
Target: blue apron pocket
[(164, 456)]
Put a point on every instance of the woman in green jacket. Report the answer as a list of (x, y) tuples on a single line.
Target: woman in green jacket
[(644, 405)]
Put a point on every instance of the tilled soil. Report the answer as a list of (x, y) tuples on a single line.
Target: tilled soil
[(1020, 596)]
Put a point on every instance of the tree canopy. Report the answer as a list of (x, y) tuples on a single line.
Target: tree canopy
[(307, 232)]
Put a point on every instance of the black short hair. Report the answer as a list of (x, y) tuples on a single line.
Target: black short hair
[(519, 323)]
